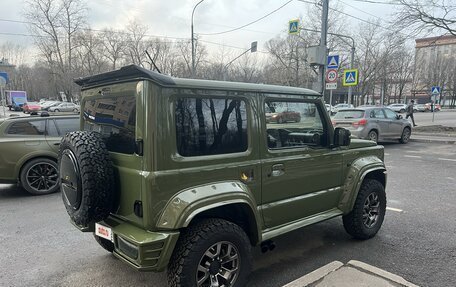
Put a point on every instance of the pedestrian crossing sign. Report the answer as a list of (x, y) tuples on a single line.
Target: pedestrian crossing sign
[(350, 77), (293, 26), (333, 62), (435, 90)]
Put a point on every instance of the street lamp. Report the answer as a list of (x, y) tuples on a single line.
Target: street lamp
[(252, 49), (193, 41)]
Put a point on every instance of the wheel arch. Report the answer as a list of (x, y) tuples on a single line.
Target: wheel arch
[(361, 169), (22, 162), (231, 201)]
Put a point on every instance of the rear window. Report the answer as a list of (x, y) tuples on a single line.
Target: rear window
[(349, 114), (67, 125), (115, 118)]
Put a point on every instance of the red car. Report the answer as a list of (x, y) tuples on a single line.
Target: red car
[(31, 107), (428, 107)]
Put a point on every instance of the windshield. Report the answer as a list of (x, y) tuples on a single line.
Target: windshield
[(115, 118), (349, 114)]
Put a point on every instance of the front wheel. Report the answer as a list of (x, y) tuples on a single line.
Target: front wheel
[(366, 218), (402, 111), (405, 137), (213, 252), (56, 110)]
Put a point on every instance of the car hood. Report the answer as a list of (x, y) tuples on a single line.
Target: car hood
[(358, 143)]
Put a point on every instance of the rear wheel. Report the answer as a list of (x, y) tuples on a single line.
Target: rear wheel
[(366, 218), (213, 252), (57, 110), (373, 136), (405, 137), (40, 176)]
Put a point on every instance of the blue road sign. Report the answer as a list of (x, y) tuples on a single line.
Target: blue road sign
[(4, 75), (350, 77), (435, 90), (293, 26), (333, 62)]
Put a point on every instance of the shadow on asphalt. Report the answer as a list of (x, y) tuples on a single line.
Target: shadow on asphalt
[(13, 191)]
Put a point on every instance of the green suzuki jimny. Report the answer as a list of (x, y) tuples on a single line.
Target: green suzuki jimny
[(188, 175)]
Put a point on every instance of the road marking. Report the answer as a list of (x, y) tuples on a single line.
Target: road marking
[(447, 159), (394, 209), (413, 156)]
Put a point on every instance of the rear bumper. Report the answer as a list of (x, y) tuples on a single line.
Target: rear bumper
[(141, 249)]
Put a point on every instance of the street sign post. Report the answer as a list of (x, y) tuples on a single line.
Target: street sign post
[(3, 82), (350, 77), (331, 76), (435, 91), (333, 62), (293, 27)]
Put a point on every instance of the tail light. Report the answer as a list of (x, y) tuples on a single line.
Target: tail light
[(359, 123)]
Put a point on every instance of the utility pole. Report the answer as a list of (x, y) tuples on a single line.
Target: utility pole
[(193, 42), (323, 42)]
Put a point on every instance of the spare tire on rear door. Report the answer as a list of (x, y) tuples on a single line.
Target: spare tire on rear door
[(86, 177)]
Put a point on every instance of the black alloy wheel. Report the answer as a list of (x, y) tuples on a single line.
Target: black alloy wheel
[(40, 176)]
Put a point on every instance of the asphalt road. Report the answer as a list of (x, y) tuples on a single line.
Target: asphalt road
[(39, 247)]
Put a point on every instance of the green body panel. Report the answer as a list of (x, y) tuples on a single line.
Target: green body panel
[(16, 150), (315, 183), (154, 248), (185, 205)]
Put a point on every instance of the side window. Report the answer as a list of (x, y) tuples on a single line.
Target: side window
[(390, 114), (67, 125), (377, 113), (209, 126), (293, 124), (29, 128)]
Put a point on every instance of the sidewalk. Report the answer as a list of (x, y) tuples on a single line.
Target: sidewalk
[(352, 274), (434, 133)]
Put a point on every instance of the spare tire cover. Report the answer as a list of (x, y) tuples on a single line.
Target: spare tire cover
[(86, 177)]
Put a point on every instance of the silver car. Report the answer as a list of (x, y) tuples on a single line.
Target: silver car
[(65, 107), (374, 123), (398, 108)]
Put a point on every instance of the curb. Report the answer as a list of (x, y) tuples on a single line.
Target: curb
[(433, 140), (382, 273), (319, 274), (315, 275)]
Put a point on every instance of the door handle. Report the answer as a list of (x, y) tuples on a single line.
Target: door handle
[(277, 170), (57, 144)]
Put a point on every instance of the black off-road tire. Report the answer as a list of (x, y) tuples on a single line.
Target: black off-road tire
[(86, 177), (194, 242), (354, 222), (50, 172), (405, 136), (106, 244)]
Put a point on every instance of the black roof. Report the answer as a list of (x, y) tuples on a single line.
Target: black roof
[(133, 72)]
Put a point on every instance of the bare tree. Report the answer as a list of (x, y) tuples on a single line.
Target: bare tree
[(115, 44), (55, 24), (427, 16)]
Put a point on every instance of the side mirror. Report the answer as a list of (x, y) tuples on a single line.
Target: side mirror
[(341, 137), (398, 117)]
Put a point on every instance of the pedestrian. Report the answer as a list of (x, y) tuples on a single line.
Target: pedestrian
[(409, 112)]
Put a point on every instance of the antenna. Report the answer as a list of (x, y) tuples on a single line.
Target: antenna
[(153, 63)]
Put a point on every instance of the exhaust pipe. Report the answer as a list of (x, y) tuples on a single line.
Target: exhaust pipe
[(267, 245)]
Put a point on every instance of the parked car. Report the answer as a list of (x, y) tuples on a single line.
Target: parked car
[(420, 108), (30, 107), (398, 108), (429, 106), (190, 177), (282, 115), (329, 109), (47, 104), (374, 124), (28, 150), (64, 107), (339, 107)]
